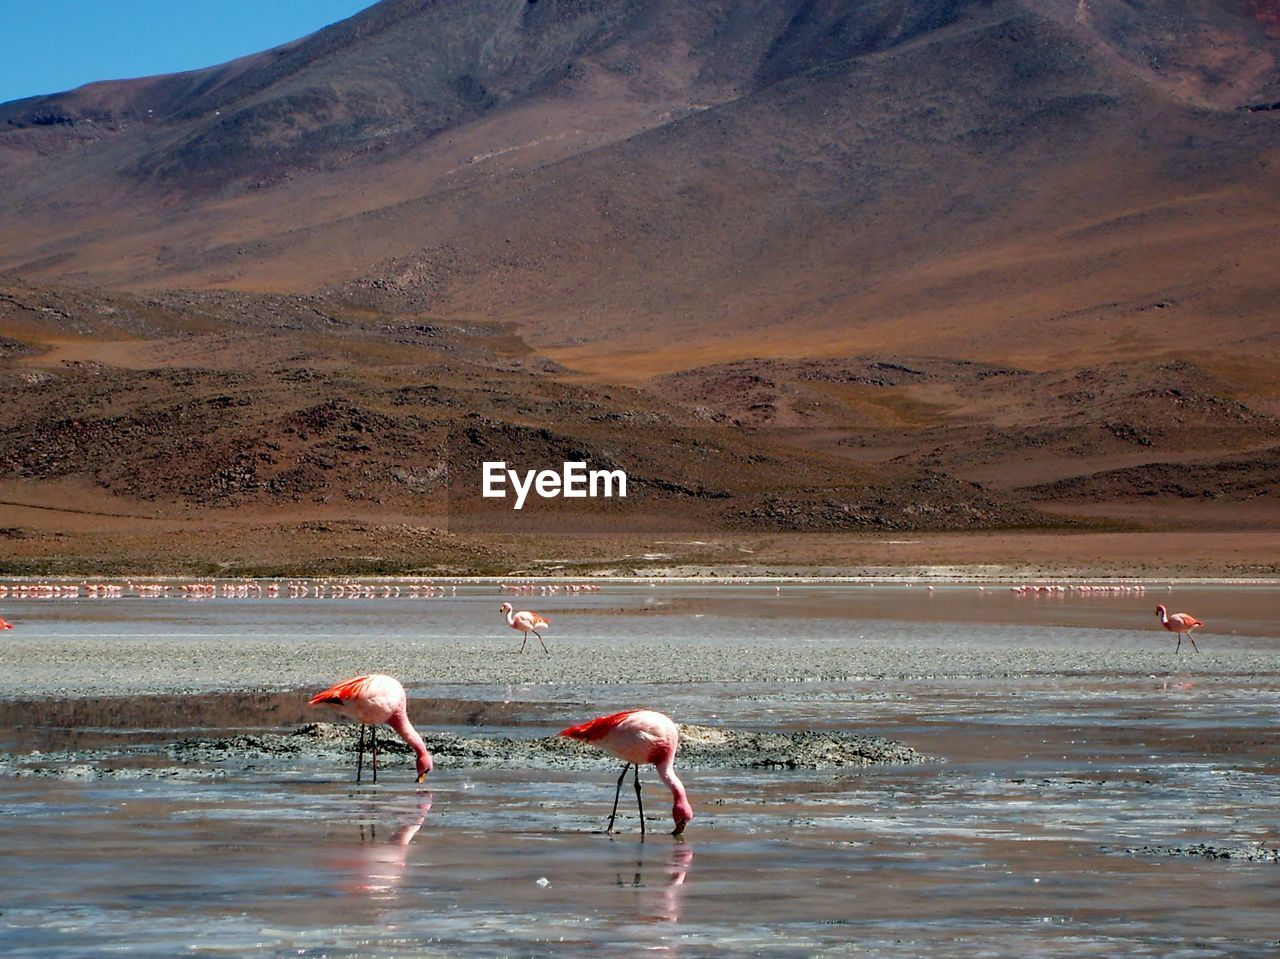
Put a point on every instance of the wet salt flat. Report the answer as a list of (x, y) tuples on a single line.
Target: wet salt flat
[(1095, 795)]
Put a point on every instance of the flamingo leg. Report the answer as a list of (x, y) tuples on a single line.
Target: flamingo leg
[(1179, 646), (522, 642), (639, 802), (1193, 642), (360, 755), (616, 794), (544, 645), (373, 736)]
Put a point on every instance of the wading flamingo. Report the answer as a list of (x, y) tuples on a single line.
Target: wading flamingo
[(370, 700), (5, 624), (1179, 623), (527, 622), (639, 736)]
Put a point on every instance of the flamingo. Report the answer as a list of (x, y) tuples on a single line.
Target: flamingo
[(370, 700), (5, 624), (1179, 623), (528, 622), (639, 736)]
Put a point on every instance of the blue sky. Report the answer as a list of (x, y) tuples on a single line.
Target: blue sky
[(55, 45)]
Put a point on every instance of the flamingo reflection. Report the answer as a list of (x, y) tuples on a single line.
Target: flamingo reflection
[(678, 862), (376, 868)]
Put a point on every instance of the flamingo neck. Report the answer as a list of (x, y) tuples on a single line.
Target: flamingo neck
[(404, 729), (681, 811), (511, 617)]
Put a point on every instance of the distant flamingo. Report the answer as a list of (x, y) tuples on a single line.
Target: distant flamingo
[(5, 624), (1179, 623), (639, 736), (370, 700), (527, 622)]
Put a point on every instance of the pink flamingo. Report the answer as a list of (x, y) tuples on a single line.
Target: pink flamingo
[(370, 700), (1179, 623), (5, 624), (528, 622), (639, 736)]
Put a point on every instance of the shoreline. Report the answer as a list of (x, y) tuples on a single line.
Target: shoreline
[(449, 640), (940, 575)]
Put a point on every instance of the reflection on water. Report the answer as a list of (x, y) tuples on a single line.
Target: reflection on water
[(1019, 848), (376, 868), (678, 862)]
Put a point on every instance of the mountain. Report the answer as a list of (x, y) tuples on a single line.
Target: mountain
[(660, 198)]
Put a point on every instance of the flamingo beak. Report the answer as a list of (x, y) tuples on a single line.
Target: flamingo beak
[(679, 830), (422, 777)]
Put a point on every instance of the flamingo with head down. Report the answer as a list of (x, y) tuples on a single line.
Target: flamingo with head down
[(372, 700), (638, 737)]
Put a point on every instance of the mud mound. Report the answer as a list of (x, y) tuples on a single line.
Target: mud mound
[(808, 749), (701, 747)]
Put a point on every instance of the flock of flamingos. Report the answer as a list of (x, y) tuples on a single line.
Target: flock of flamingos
[(639, 737)]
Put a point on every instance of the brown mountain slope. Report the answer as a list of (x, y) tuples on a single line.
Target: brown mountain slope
[(1079, 436), (798, 264), (933, 177), (289, 409), (1220, 53), (1234, 478)]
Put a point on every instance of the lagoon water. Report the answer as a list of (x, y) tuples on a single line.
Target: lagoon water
[(1095, 794)]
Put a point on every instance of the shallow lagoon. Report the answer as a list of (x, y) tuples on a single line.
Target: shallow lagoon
[(1082, 766)]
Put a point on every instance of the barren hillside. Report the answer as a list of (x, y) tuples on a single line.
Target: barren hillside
[(872, 254)]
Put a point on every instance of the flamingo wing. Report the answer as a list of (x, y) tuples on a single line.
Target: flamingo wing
[(596, 729), (340, 693)]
